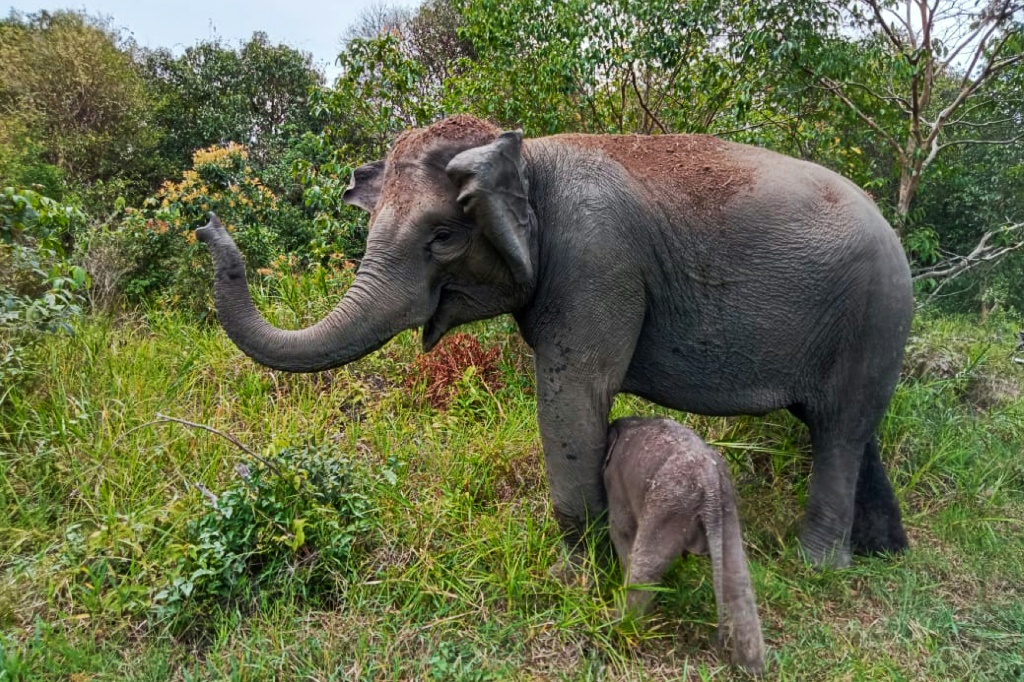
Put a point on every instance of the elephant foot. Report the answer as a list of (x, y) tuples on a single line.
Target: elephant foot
[(877, 532), (753, 668), (877, 523), (571, 570), (752, 664), (823, 554), (746, 650)]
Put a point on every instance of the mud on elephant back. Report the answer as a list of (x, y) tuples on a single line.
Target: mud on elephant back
[(706, 276)]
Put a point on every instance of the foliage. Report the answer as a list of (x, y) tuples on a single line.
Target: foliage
[(453, 581), (305, 512), (159, 242), (444, 574), (73, 106), (457, 361), (621, 67), (39, 287), (922, 79), (323, 175), (222, 181), (529, 68), (434, 36), (28, 217), (255, 95), (970, 190), (382, 90)]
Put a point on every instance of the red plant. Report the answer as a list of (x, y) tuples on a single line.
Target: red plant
[(444, 367)]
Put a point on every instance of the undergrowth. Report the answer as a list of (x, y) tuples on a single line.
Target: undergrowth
[(376, 532)]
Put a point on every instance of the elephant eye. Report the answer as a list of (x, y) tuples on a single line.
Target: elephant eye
[(448, 242)]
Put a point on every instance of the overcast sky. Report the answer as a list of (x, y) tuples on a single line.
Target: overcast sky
[(313, 26)]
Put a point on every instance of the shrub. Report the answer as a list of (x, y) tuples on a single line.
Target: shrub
[(40, 288), (158, 242), (451, 367), (299, 519), (27, 217), (222, 181)]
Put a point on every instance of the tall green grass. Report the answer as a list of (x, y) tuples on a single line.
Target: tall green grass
[(96, 499)]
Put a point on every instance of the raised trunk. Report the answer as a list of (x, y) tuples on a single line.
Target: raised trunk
[(365, 319)]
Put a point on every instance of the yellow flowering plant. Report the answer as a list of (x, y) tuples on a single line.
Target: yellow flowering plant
[(221, 180), (169, 264)]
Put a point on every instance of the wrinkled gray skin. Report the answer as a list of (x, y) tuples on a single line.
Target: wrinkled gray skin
[(670, 495), (706, 276)]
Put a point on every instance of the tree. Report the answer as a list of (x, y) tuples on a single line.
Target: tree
[(71, 98), (628, 66), (257, 95), (378, 19), (925, 79), (932, 84), (435, 40), (429, 36)]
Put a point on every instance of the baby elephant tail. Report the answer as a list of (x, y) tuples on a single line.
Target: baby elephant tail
[(739, 625)]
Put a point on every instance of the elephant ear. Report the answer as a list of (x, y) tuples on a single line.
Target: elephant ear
[(493, 191), (364, 188)]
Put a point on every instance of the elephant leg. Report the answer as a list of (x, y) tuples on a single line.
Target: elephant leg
[(579, 371), (660, 540), (622, 529), (825, 536), (573, 425), (851, 502), (877, 523), (573, 419)]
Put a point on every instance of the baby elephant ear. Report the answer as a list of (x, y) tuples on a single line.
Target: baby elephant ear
[(364, 188), (493, 191)]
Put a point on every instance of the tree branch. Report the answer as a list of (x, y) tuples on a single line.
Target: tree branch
[(643, 104), (892, 35), (164, 419), (955, 52), (967, 89), (902, 102), (958, 143), (955, 266), (836, 89)]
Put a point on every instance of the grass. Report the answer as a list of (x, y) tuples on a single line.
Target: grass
[(96, 501)]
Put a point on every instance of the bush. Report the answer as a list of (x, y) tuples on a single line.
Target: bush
[(336, 226), (222, 181), (458, 365), (300, 519), (157, 245), (40, 289)]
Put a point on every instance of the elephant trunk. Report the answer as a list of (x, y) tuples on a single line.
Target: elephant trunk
[(363, 321)]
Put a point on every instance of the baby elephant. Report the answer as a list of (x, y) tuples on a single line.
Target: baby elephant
[(670, 494)]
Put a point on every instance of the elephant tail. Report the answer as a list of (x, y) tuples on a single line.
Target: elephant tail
[(739, 625)]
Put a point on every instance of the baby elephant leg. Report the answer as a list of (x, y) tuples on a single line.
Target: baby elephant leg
[(739, 625), (661, 537)]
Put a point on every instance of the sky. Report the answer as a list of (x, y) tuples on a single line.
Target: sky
[(313, 26)]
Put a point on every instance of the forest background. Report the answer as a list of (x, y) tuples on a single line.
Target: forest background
[(115, 536)]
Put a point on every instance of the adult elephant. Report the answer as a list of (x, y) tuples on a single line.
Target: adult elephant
[(707, 276)]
